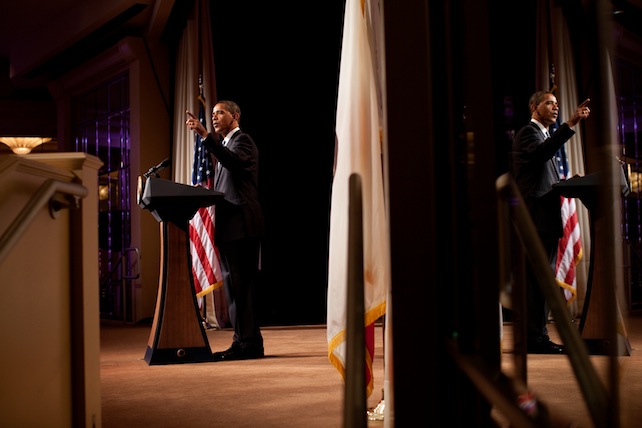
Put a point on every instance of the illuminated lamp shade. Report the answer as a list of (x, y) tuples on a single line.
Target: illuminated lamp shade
[(23, 145)]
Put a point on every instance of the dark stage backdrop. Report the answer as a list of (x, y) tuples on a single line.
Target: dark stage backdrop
[(280, 63)]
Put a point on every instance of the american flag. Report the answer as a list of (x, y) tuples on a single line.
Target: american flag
[(569, 250), (206, 269)]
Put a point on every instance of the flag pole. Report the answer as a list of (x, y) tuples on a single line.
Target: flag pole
[(377, 413), (355, 383), (206, 325)]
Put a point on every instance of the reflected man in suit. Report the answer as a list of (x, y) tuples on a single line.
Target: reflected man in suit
[(239, 224), (535, 170)]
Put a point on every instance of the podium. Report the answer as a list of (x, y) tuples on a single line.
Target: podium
[(177, 334), (593, 323)]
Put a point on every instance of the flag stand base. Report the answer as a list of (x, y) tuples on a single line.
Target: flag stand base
[(376, 414)]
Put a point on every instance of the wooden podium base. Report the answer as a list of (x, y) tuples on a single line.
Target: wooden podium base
[(605, 347), (595, 314), (597, 325), (177, 334), (160, 356), (595, 334)]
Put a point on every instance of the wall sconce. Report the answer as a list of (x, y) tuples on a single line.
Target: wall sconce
[(23, 145), (103, 192)]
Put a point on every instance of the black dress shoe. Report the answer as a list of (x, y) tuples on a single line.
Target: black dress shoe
[(235, 353), (544, 347)]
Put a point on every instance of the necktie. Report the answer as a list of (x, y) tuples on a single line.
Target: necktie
[(218, 167), (546, 134), (224, 145)]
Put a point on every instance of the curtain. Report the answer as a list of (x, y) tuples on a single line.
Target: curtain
[(194, 57), (195, 66)]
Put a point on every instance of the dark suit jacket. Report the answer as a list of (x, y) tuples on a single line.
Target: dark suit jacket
[(239, 216), (535, 170)]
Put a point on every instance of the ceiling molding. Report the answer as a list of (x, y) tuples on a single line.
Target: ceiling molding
[(46, 51)]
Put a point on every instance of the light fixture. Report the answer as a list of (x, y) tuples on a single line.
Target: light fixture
[(103, 192), (23, 145)]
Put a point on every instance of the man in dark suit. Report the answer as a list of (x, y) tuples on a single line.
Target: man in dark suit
[(239, 224), (535, 171)]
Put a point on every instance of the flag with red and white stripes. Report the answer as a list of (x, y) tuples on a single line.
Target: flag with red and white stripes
[(569, 251)]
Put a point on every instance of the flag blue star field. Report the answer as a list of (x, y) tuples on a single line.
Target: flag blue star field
[(203, 170)]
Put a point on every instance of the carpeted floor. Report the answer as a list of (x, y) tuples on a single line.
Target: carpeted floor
[(551, 379), (293, 386), (296, 386)]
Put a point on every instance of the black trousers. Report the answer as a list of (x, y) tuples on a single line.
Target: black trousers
[(240, 268), (536, 307)]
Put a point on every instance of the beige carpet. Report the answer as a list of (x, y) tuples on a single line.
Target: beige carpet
[(296, 386), (551, 379)]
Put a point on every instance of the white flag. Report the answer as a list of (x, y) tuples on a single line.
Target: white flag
[(359, 149)]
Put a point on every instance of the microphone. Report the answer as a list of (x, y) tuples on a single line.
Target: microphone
[(161, 166)]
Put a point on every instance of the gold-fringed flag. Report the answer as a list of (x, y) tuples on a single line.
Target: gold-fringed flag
[(359, 149), (569, 251), (206, 269)]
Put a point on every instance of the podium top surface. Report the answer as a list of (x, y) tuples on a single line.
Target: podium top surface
[(587, 185), (156, 188), (176, 202)]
